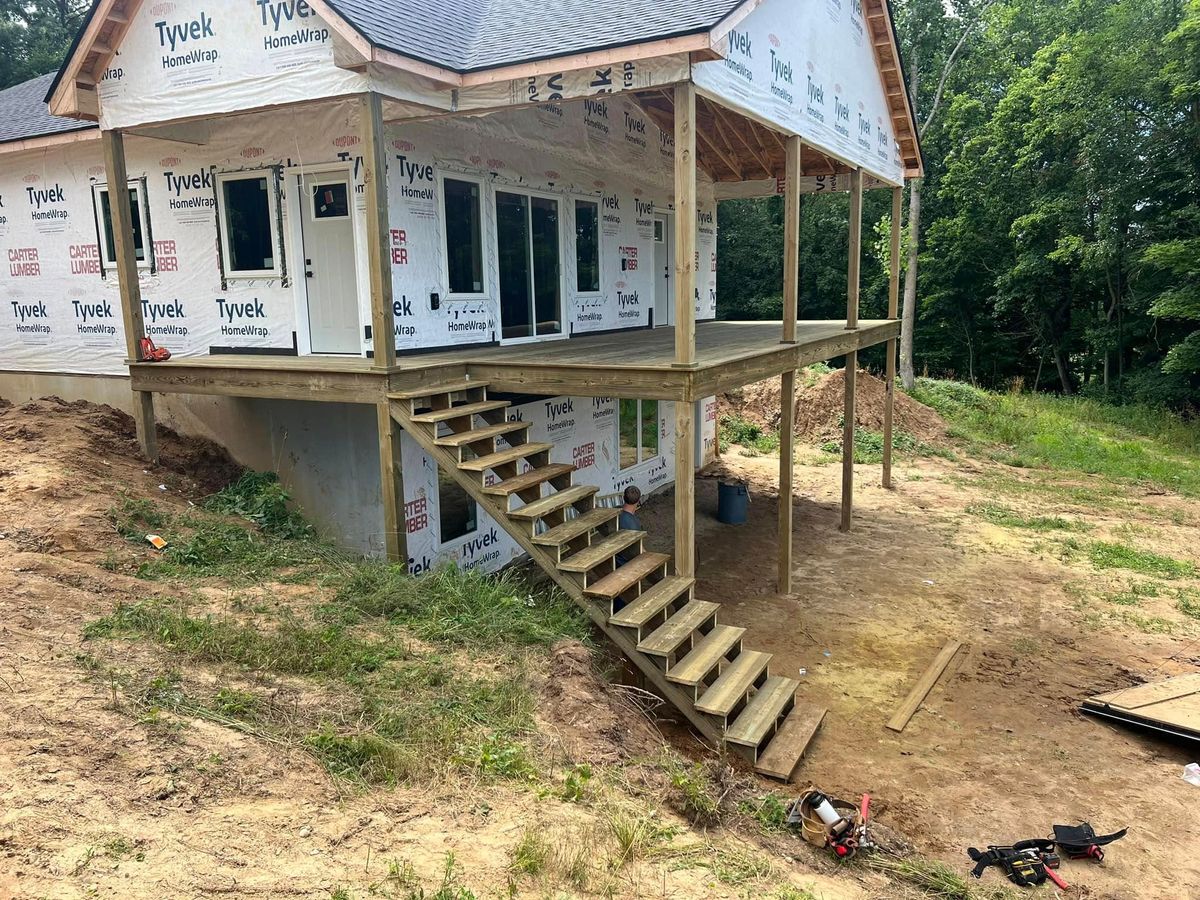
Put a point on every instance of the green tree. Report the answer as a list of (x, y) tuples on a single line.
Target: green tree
[(35, 36)]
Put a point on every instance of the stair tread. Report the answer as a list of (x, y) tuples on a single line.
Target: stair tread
[(462, 438), (526, 480), (789, 743), (593, 555), (573, 528), (457, 412), (706, 655), (627, 576), (450, 387), (753, 723), (665, 639), (652, 602), (500, 457), (555, 501), (733, 683)]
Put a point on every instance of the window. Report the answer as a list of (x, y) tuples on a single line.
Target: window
[(331, 200), (249, 226), (457, 513), (637, 429), (104, 223), (527, 242), (464, 236), (587, 247)]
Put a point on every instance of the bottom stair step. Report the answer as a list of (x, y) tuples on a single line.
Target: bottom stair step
[(758, 718), (783, 753)]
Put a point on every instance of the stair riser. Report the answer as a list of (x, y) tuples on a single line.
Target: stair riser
[(444, 401)]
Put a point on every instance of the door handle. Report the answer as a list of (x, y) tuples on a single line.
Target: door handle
[(308, 273)]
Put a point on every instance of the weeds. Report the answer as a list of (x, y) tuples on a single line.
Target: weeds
[(1104, 555), (497, 757), (463, 607), (936, 879), (133, 517), (577, 785), (769, 811), (261, 499), (733, 430), (695, 793), (1002, 515), (868, 446), (638, 836), (531, 853)]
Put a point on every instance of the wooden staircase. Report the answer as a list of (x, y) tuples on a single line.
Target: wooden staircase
[(726, 692)]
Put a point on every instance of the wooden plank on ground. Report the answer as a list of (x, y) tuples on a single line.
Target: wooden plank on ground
[(795, 734), (923, 686)]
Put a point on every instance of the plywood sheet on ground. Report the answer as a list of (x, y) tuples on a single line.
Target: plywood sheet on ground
[(1171, 706)]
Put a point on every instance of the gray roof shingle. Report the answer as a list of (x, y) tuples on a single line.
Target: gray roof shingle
[(23, 112), (467, 35)]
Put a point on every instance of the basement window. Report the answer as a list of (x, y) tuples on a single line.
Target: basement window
[(637, 430), (248, 212), (587, 247), (462, 207), (104, 226), (458, 514)]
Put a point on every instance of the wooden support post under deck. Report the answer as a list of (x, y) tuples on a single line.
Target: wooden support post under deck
[(121, 226), (391, 485), (848, 441), (856, 201), (685, 325), (787, 444), (791, 241), (379, 264), (889, 401)]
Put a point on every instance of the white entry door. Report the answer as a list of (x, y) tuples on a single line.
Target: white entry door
[(664, 272), (329, 263)]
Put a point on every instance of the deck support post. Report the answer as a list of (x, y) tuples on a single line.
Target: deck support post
[(378, 262), (121, 226), (889, 400), (787, 444), (787, 392), (391, 485), (685, 325), (851, 373)]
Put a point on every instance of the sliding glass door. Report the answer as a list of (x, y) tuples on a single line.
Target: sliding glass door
[(527, 238)]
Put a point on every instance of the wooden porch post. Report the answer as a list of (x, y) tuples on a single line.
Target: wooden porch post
[(852, 286), (383, 334), (787, 392), (121, 226), (893, 310), (685, 325), (378, 262)]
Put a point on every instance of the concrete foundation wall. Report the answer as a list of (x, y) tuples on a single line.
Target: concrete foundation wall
[(325, 453)]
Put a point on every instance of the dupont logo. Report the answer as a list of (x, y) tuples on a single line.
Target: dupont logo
[(476, 160), (551, 174), (495, 164), (95, 171), (347, 140), (169, 162), (598, 184), (162, 9), (31, 179), (406, 146), (774, 39), (252, 152)]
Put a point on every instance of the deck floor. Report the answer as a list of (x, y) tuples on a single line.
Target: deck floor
[(637, 363)]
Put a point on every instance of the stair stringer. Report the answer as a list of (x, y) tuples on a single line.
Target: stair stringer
[(520, 533)]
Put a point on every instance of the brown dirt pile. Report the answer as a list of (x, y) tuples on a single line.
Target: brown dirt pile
[(819, 408)]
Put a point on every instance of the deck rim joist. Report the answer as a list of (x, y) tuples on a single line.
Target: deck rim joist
[(575, 367)]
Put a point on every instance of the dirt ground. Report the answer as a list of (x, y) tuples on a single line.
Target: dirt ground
[(94, 804)]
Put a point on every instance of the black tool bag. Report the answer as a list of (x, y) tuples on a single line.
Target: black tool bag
[(1022, 862), (1081, 841)]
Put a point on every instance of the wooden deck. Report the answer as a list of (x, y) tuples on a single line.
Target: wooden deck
[(623, 364)]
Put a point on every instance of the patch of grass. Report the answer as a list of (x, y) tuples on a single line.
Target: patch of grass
[(735, 430), (937, 880), (463, 607), (695, 794), (868, 446), (638, 836), (290, 647), (770, 811), (365, 758), (531, 853), (207, 546), (260, 498), (497, 757), (1135, 593), (1188, 602), (577, 785), (1127, 444), (134, 517), (1002, 515), (1106, 555), (791, 892)]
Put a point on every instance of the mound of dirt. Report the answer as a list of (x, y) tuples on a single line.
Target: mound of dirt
[(819, 408)]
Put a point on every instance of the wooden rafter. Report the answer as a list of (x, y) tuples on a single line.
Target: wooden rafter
[(887, 56)]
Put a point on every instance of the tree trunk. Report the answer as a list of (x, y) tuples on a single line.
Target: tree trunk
[(908, 316), (1064, 375)]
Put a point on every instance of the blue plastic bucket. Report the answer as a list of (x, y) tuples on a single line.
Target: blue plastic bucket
[(733, 501)]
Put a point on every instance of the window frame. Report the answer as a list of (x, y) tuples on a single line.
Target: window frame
[(271, 173), (640, 461), (563, 284), (575, 201), (443, 235), (103, 230)]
